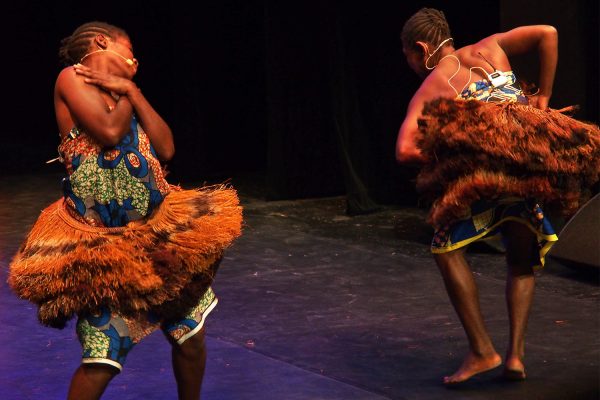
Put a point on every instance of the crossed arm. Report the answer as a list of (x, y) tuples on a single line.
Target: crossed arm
[(80, 92)]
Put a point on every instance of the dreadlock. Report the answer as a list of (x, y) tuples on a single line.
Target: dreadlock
[(426, 25), (76, 46)]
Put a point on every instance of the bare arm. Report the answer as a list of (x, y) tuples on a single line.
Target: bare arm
[(544, 39), (436, 85), (406, 148), (156, 128), (89, 110)]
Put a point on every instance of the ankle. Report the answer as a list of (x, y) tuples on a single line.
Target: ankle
[(515, 353), (484, 352), (514, 357)]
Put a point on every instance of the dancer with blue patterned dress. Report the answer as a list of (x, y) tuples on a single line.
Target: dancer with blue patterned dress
[(487, 166), (123, 251)]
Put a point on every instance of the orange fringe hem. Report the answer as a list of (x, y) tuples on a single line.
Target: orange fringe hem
[(480, 150), (162, 264)]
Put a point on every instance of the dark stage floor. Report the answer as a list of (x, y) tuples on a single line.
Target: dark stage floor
[(318, 305)]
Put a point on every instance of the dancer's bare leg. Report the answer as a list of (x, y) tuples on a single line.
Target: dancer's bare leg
[(189, 360), (521, 255), (90, 381), (464, 296)]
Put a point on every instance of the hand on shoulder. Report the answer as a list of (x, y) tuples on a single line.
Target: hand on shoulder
[(105, 80)]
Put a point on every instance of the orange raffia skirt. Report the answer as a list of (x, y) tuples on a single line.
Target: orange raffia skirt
[(162, 264), (478, 150)]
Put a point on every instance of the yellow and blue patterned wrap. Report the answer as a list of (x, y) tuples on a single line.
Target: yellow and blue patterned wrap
[(487, 216)]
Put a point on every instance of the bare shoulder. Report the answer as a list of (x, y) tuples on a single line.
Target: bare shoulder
[(66, 79), (487, 44), (436, 84), (484, 52), (448, 65), (67, 73)]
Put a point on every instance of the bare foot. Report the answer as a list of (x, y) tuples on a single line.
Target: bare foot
[(514, 369), (473, 365)]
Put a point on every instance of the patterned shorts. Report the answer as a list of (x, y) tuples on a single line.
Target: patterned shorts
[(107, 337)]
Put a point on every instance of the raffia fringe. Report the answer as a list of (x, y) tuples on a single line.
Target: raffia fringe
[(161, 264), (486, 150)]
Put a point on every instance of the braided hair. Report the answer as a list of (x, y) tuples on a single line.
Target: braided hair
[(74, 47), (426, 25)]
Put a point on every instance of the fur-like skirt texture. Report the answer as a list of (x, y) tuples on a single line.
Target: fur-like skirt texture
[(478, 150), (162, 264)]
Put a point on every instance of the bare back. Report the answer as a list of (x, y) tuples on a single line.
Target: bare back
[(461, 67), (464, 66)]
